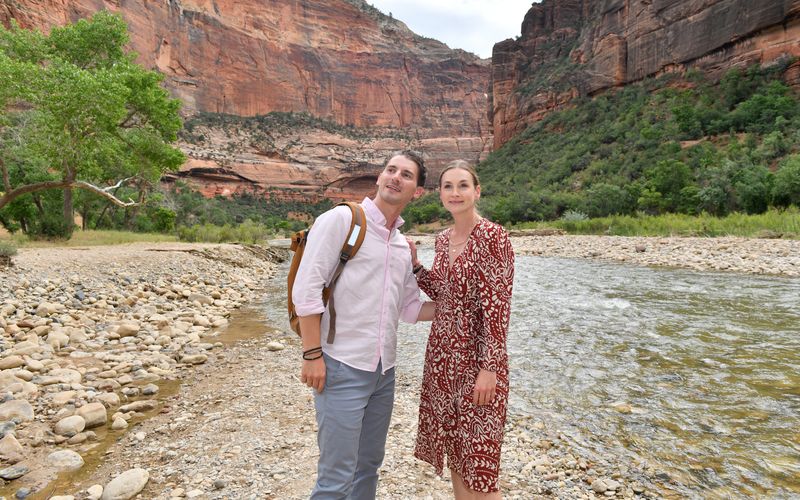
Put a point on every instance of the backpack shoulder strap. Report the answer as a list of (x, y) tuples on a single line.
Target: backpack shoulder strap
[(298, 246), (355, 237), (358, 229)]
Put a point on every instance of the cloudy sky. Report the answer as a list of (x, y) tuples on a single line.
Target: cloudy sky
[(472, 25)]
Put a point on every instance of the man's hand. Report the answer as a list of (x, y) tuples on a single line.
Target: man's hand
[(485, 387), (313, 371), (313, 374)]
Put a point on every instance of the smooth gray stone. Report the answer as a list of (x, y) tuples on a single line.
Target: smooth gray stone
[(14, 472)]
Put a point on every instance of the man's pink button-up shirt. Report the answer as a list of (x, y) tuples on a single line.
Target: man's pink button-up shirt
[(375, 290)]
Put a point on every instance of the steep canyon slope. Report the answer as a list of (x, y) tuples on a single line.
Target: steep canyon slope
[(340, 60), (572, 48)]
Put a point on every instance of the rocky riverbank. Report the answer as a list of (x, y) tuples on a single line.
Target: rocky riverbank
[(91, 335), (113, 376), (744, 255)]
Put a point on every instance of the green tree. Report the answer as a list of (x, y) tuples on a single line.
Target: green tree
[(666, 182), (786, 188), (607, 199), (78, 112)]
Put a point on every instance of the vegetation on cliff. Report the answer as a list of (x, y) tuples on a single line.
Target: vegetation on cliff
[(77, 112), (669, 145), (262, 128)]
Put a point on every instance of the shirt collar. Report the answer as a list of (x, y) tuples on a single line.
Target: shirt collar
[(374, 213)]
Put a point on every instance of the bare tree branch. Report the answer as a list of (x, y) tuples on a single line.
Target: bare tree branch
[(105, 193), (6, 180), (41, 186)]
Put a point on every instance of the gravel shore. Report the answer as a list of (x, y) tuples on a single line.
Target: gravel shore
[(743, 255), (113, 374)]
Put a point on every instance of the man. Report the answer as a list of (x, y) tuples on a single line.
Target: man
[(353, 377)]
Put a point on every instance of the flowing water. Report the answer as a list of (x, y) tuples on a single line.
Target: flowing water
[(696, 373)]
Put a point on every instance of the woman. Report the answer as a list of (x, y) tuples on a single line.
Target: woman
[(465, 381)]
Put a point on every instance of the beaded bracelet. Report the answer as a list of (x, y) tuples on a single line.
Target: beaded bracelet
[(417, 269)]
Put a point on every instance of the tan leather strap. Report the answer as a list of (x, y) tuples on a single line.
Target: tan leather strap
[(298, 245), (355, 237)]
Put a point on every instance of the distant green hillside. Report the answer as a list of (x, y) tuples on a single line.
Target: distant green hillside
[(671, 145)]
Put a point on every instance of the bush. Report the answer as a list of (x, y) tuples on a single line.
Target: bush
[(606, 199), (247, 232), (7, 249), (51, 227), (786, 189), (426, 209), (573, 216), (164, 220)]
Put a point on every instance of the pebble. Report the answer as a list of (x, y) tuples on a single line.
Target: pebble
[(65, 460), (94, 492), (10, 449), (22, 493), (275, 346), (94, 414), (126, 485), (16, 409), (70, 426), (13, 472)]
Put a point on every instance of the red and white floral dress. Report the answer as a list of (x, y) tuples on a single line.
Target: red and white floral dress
[(473, 305)]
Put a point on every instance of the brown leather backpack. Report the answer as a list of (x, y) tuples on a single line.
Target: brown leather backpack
[(355, 237)]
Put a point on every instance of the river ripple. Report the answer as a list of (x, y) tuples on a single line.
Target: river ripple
[(696, 373)]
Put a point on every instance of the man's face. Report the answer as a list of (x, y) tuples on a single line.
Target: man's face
[(397, 184)]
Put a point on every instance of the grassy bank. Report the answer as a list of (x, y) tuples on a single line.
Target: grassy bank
[(771, 224), (90, 238)]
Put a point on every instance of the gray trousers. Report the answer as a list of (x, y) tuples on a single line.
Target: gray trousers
[(353, 414)]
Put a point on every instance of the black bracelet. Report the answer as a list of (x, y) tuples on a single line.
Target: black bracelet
[(309, 354), (417, 268)]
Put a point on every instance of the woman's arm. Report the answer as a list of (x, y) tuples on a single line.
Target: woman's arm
[(496, 280)]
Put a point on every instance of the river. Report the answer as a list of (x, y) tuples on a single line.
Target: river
[(695, 373)]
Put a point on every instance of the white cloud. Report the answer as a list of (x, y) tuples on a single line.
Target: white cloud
[(472, 25)]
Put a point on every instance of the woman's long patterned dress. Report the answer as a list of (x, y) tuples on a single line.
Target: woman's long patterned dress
[(473, 304)]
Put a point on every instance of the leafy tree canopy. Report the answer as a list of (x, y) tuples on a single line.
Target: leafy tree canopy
[(76, 111)]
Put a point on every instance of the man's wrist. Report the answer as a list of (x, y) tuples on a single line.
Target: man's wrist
[(312, 354), (417, 268)]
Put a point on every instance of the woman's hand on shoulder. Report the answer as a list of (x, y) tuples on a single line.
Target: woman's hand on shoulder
[(413, 247), (485, 388)]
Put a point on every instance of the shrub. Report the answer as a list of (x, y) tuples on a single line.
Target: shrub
[(573, 216), (164, 220), (50, 227), (247, 232), (786, 189), (7, 249), (606, 199)]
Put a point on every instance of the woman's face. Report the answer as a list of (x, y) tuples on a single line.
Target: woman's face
[(458, 191)]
